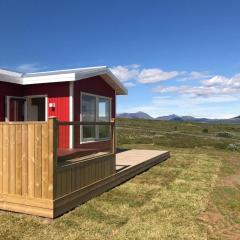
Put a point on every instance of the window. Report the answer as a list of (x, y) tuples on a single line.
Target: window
[(95, 109)]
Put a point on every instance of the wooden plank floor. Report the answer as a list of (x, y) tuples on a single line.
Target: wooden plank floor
[(130, 158)]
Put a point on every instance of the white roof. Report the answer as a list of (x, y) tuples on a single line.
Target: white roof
[(67, 75)]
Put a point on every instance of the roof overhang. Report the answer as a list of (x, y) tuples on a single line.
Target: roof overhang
[(69, 75)]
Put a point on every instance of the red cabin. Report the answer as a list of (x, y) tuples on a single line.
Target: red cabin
[(83, 94), (57, 140)]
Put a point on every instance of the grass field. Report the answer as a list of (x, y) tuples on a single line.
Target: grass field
[(193, 195)]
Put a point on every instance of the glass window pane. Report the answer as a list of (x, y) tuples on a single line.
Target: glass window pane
[(89, 133), (88, 108), (104, 131), (104, 109)]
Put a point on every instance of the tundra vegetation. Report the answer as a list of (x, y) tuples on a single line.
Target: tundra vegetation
[(193, 195)]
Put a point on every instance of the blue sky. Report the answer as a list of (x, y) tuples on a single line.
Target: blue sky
[(177, 56)]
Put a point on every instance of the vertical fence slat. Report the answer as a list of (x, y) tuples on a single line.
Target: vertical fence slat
[(38, 161), (5, 158), (45, 163), (18, 159), (12, 160), (31, 159), (24, 160)]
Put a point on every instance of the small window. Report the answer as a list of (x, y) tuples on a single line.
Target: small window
[(95, 109)]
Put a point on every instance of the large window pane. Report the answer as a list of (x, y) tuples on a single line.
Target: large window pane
[(95, 108), (104, 131), (89, 133), (88, 108), (103, 109)]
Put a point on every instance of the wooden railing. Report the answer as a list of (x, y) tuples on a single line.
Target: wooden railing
[(76, 128), (75, 174)]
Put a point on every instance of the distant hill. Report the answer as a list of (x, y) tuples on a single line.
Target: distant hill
[(174, 117), (141, 115)]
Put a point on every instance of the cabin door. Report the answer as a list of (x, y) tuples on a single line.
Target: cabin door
[(36, 108), (15, 108)]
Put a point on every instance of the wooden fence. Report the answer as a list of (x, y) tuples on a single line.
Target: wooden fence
[(27, 166), (31, 180), (74, 176)]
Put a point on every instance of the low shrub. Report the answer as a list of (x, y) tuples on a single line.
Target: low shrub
[(224, 134), (234, 146), (205, 130)]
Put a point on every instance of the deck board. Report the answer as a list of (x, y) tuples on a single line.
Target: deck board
[(134, 157)]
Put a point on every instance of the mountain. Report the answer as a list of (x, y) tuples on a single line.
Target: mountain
[(141, 115), (168, 118), (174, 117)]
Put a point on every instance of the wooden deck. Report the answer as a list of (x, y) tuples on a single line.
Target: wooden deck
[(128, 164), (34, 181)]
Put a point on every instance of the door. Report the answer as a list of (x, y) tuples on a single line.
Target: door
[(15, 109), (36, 108)]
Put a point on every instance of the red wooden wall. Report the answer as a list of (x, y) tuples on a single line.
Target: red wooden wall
[(8, 89), (57, 93)]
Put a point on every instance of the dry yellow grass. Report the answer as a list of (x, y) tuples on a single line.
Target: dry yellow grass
[(162, 203)]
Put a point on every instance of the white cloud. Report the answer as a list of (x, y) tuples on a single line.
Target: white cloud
[(194, 75), (126, 73), (153, 75), (29, 67), (217, 85), (216, 80), (134, 72), (129, 84)]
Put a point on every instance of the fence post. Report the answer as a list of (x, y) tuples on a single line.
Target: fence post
[(113, 136), (53, 146)]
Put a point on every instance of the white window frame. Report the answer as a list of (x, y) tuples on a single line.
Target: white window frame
[(97, 139)]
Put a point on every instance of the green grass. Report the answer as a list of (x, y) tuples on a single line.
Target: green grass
[(193, 195)]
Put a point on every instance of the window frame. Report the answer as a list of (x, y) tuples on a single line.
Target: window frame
[(97, 139)]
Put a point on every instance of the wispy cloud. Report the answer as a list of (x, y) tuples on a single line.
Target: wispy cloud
[(135, 72), (154, 75), (29, 67), (217, 85), (193, 75), (196, 93), (129, 84), (126, 73)]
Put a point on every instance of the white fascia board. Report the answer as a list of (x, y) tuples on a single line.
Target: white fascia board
[(56, 72), (64, 77), (117, 81), (10, 79)]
